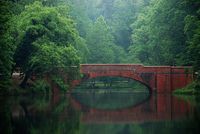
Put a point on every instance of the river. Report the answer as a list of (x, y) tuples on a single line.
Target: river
[(99, 109)]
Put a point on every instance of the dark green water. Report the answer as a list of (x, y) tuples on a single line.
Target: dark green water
[(99, 111), (62, 114)]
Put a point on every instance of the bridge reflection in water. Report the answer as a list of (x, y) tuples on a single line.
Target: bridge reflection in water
[(158, 107)]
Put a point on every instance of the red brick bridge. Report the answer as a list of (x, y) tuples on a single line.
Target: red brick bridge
[(160, 79)]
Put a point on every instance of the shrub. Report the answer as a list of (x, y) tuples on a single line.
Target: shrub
[(60, 83), (41, 86)]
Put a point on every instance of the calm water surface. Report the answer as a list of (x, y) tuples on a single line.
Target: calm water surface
[(100, 112)]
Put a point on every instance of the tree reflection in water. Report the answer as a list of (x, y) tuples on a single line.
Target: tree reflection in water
[(37, 115)]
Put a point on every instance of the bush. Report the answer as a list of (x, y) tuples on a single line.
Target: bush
[(41, 86), (193, 88), (60, 83)]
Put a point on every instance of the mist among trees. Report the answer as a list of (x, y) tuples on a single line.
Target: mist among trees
[(40, 35)]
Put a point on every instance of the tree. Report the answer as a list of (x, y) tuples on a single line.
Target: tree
[(192, 31), (118, 15), (158, 36), (124, 13), (43, 35), (6, 47), (100, 43)]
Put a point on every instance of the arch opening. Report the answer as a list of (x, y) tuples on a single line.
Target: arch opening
[(114, 83), (111, 93)]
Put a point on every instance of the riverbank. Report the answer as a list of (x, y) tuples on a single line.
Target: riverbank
[(32, 87), (191, 99), (191, 89), (189, 93)]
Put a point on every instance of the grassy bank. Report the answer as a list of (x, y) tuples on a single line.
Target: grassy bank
[(191, 99), (189, 93), (191, 89)]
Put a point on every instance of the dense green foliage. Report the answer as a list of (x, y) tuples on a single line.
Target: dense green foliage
[(100, 38), (6, 49), (41, 86), (158, 36), (190, 89), (151, 32), (38, 36), (192, 31), (45, 40), (115, 16)]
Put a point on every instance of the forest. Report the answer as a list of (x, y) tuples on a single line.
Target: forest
[(40, 36)]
